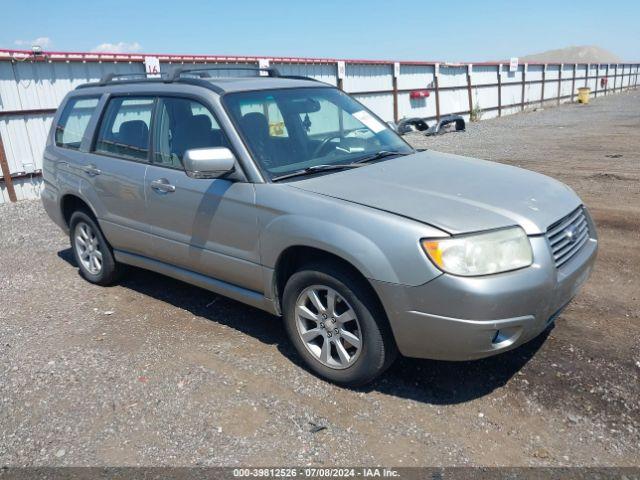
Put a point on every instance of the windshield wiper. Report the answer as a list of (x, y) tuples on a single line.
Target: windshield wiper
[(315, 169), (339, 166), (378, 156)]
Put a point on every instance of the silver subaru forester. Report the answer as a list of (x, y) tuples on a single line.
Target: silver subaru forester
[(287, 194)]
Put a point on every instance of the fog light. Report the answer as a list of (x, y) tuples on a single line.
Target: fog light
[(499, 337), (506, 336)]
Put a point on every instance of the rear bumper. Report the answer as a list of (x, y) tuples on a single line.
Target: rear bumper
[(51, 202), (458, 318)]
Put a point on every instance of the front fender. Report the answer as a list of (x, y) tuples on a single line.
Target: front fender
[(297, 230), (381, 245)]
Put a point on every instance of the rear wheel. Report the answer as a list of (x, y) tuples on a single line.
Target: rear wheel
[(91, 251), (336, 325)]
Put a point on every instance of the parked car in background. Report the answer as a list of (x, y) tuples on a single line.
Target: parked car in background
[(287, 194)]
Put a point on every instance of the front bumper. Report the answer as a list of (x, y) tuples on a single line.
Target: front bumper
[(465, 318)]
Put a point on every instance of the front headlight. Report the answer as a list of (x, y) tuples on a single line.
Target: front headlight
[(481, 253)]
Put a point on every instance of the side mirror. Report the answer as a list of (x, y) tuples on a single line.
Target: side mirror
[(208, 162)]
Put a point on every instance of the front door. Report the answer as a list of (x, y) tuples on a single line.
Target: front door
[(207, 226)]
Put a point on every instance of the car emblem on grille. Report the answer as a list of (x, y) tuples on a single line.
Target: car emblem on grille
[(571, 234)]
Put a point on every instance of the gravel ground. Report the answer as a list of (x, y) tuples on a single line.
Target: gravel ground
[(157, 372)]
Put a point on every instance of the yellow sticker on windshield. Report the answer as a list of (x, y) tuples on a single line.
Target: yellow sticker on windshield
[(369, 121)]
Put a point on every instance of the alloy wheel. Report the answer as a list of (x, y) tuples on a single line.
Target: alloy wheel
[(328, 326), (88, 248)]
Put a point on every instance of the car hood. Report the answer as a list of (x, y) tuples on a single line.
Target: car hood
[(456, 194)]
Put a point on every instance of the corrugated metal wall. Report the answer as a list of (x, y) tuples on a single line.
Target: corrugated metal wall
[(29, 91), (32, 88)]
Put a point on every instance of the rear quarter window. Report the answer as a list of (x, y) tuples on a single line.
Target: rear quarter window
[(73, 121)]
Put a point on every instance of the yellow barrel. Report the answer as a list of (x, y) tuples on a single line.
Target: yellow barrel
[(583, 94)]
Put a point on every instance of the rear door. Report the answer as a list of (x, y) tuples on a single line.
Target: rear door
[(207, 226), (115, 170)]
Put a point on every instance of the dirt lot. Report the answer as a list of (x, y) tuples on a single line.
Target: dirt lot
[(154, 371)]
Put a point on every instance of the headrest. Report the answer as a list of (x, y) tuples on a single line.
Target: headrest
[(134, 129), (201, 122), (256, 122)]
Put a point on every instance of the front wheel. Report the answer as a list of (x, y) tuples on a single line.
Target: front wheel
[(337, 325)]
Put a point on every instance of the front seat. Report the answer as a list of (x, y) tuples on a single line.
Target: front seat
[(133, 137), (256, 130), (193, 133)]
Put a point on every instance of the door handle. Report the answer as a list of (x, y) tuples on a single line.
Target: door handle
[(162, 185), (91, 170)]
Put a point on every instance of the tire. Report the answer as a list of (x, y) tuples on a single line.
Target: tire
[(362, 363), (84, 228)]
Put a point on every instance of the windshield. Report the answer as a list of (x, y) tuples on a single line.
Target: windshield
[(289, 130)]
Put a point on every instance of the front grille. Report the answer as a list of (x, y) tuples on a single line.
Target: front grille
[(567, 236)]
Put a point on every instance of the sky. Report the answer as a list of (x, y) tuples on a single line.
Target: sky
[(442, 30)]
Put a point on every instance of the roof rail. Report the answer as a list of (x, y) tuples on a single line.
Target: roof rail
[(175, 76), (177, 73), (110, 77), (301, 77)]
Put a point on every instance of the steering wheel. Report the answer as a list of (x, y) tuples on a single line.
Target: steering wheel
[(323, 145)]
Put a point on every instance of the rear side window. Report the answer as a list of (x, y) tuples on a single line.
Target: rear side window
[(74, 121), (124, 130)]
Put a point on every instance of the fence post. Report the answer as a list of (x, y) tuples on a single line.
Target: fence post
[(606, 84), (469, 67), (615, 78), (622, 78), (559, 82), (629, 74), (499, 89), (544, 78), (524, 82), (396, 74), (6, 174), (436, 74), (573, 81), (586, 75), (341, 70), (595, 91)]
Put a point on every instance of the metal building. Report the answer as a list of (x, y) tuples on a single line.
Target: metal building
[(32, 86)]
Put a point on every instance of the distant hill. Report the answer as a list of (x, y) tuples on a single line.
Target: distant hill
[(580, 54)]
